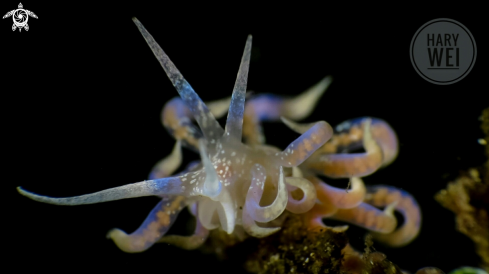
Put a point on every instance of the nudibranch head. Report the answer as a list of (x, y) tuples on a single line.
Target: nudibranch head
[(235, 179)]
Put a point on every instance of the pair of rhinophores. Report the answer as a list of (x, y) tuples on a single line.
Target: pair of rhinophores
[(250, 187)]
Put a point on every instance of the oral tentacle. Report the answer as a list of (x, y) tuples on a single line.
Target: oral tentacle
[(158, 187)]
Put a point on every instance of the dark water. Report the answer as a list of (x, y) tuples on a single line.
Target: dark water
[(83, 95)]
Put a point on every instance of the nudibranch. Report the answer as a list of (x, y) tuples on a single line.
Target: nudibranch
[(250, 186), (226, 188)]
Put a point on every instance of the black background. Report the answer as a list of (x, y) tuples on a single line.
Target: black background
[(82, 95)]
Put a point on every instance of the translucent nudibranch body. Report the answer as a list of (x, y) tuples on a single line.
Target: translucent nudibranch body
[(252, 184)]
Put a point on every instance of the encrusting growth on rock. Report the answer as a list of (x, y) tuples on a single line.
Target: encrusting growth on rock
[(298, 249), (370, 262), (468, 198)]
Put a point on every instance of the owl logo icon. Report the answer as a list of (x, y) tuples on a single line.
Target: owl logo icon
[(20, 17)]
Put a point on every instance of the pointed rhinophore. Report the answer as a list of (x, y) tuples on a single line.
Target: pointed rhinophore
[(201, 113), (234, 123)]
